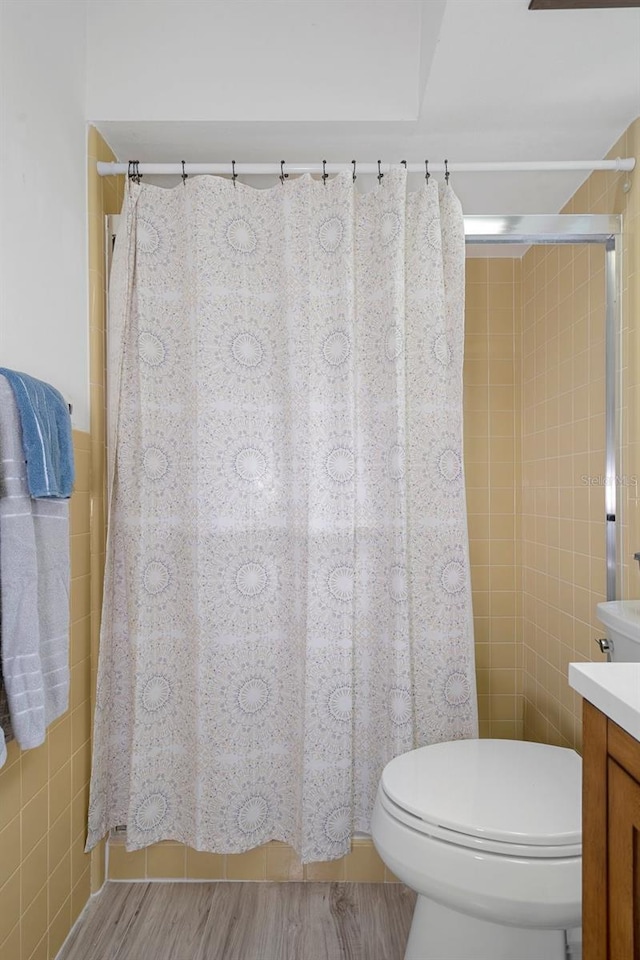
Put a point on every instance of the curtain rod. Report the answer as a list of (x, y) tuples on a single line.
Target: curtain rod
[(196, 169)]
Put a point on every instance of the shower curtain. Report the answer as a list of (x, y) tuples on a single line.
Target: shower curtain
[(287, 597)]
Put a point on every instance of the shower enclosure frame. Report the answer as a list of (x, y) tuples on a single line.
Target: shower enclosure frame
[(605, 229), (552, 229)]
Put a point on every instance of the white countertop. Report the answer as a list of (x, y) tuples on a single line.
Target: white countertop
[(614, 688)]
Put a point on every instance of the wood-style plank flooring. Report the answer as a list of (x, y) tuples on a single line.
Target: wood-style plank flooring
[(244, 921)]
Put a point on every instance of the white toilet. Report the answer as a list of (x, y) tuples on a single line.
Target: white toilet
[(489, 835)]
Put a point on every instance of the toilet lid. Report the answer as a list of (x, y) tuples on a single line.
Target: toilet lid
[(507, 790)]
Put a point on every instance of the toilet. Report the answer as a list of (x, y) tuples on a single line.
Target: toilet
[(489, 835)]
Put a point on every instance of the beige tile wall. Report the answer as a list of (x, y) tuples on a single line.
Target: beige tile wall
[(45, 876), (563, 442), (272, 861), (563, 465), (44, 872), (505, 517), (104, 197), (628, 202), (491, 453)]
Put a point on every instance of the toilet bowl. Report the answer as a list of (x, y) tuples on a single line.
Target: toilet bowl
[(488, 833)]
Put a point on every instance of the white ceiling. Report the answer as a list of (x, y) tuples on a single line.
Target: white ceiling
[(392, 79)]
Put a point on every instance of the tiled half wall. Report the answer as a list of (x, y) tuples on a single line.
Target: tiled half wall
[(45, 876)]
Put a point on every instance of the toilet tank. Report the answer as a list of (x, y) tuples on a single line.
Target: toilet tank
[(621, 620)]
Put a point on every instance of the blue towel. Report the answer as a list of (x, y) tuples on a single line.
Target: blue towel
[(46, 435)]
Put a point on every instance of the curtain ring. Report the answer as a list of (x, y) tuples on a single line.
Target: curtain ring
[(404, 164), (446, 172), (353, 175), (184, 175), (380, 174), (137, 176), (283, 176), (426, 171), (130, 169), (234, 175), (325, 175)]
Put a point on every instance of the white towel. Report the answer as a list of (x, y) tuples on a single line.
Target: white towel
[(34, 589)]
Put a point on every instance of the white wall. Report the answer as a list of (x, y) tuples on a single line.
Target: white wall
[(43, 258), (256, 59)]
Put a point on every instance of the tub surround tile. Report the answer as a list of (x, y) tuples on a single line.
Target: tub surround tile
[(275, 861)]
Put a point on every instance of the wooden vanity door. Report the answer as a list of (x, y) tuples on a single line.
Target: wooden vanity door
[(624, 864)]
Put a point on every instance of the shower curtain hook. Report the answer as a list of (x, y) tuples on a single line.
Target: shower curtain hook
[(404, 164), (353, 175), (133, 171), (426, 171), (446, 172), (184, 175), (325, 175), (283, 176), (234, 175), (380, 175)]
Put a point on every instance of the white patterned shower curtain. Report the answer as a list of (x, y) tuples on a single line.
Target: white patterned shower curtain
[(287, 597)]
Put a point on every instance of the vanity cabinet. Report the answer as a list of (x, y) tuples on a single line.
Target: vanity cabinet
[(611, 840)]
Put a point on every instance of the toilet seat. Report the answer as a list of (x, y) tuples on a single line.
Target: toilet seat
[(484, 844), (506, 797)]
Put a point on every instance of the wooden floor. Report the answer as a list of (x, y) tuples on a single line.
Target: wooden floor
[(244, 921)]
